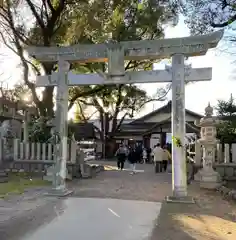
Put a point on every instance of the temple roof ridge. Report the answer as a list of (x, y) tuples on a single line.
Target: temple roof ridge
[(166, 106)]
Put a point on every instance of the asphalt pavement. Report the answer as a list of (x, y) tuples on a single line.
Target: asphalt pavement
[(100, 219)]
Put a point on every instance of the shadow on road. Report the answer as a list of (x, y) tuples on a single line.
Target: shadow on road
[(192, 222)]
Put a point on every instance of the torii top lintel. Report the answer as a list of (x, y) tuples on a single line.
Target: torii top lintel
[(133, 50)]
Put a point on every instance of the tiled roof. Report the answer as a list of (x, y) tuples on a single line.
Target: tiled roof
[(167, 109)]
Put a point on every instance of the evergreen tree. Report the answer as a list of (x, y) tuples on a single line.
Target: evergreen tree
[(226, 111)]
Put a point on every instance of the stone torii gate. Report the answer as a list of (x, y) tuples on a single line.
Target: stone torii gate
[(115, 54)]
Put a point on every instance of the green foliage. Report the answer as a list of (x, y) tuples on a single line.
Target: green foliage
[(100, 20), (39, 131), (226, 111), (19, 92), (78, 118), (177, 141)]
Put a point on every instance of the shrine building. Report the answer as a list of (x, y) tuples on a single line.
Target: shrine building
[(155, 127)]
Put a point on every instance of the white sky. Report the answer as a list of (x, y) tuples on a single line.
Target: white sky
[(197, 94)]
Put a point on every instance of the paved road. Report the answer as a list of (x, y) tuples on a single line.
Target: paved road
[(113, 205), (93, 218)]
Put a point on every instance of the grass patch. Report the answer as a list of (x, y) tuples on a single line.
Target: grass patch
[(19, 182)]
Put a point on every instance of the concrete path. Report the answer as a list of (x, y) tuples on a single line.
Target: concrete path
[(100, 219), (113, 205)]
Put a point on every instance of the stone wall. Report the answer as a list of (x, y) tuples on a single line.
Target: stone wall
[(40, 167), (226, 170)]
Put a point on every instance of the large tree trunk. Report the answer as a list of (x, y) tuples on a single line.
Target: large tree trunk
[(110, 147), (48, 102), (104, 134)]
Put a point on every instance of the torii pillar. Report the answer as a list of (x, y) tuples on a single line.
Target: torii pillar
[(179, 177)]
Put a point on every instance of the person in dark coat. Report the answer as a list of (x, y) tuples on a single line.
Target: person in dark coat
[(139, 152), (149, 151), (132, 158)]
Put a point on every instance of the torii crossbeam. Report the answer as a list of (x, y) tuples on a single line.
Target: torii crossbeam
[(191, 75)]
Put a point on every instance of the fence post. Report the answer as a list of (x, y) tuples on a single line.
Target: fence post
[(33, 151), (21, 150), (50, 152), (227, 154), (234, 153), (38, 151), (219, 153), (27, 150), (16, 149), (44, 151), (73, 151), (1, 150)]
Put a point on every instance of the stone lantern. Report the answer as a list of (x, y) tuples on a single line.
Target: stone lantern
[(207, 176)]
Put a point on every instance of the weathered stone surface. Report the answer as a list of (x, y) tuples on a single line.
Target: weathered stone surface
[(209, 179), (61, 128), (86, 171), (8, 132), (229, 171), (13, 126), (221, 170), (195, 74), (226, 170), (207, 176), (189, 46), (49, 174), (178, 129)]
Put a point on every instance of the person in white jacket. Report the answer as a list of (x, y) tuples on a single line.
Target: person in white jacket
[(158, 155), (144, 155)]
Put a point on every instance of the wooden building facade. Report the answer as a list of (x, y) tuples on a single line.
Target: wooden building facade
[(154, 126)]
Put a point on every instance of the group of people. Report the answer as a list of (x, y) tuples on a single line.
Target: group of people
[(161, 157)]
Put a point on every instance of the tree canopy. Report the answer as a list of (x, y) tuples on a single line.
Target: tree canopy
[(64, 22), (67, 22), (205, 15), (226, 111)]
